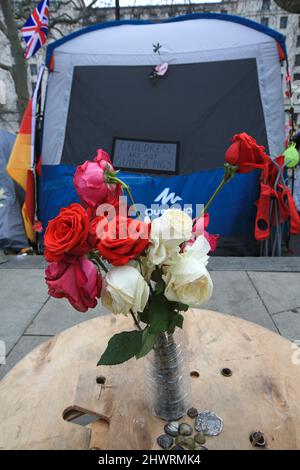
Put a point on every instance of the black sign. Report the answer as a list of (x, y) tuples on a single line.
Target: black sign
[(145, 156)]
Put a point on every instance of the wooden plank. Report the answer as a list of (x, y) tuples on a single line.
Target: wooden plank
[(262, 393)]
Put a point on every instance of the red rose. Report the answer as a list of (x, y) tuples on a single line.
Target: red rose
[(66, 234), (114, 192), (93, 239), (245, 153), (123, 239), (79, 282), (38, 226)]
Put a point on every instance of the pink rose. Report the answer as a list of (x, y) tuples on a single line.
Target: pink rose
[(90, 182), (161, 69), (199, 229), (102, 158), (79, 282)]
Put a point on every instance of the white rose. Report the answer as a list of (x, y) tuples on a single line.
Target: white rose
[(124, 289), (167, 233), (188, 281)]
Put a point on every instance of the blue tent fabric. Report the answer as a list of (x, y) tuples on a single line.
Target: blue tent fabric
[(12, 234), (218, 16), (227, 217)]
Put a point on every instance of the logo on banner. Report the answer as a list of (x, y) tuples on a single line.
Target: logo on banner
[(166, 197)]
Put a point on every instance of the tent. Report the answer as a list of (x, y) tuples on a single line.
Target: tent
[(12, 234), (169, 134)]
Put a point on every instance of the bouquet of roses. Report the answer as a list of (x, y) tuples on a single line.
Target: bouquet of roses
[(151, 271)]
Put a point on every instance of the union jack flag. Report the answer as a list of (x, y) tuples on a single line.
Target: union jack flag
[(35, 30)]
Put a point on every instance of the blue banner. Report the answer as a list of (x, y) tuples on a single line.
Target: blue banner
[(231, 214)]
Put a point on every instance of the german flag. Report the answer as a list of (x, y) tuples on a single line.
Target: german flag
[(19, 168), (24, 161)]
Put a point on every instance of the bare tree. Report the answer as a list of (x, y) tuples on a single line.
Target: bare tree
[(292, 6), (18, 67), (63, 13)]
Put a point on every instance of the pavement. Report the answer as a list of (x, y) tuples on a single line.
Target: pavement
[(265, 291)]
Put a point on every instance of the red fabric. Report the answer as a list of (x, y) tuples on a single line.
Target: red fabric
[(39, 166), (29, 196), (51, 65), (25, 127), (262, 221), (287, 208), (280, 52), (283, 197)]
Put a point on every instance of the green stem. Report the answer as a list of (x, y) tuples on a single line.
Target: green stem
[(114, 179), (100, 262), (207, 205), (230, 172), (133, 203), (135, 320)]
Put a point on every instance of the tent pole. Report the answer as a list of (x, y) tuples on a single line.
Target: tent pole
[(117, 9)]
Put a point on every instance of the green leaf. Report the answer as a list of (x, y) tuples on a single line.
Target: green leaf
[(145, 315), (160, 287), (121, 347), (176, 320), (182, 307), (159, 314), (179, 320), (156, 275), (148, 341), (178, 306)]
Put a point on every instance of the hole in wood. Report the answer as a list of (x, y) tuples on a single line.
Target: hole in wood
[(78, 416), (100, 379), (257, 439), (226, 372), (195, 374)]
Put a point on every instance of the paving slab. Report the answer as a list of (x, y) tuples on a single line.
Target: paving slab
[(235, 294), (216, 263), (23, 262), (278, 291), (23, 347), (58, 315), (22, 296), (288, 324)]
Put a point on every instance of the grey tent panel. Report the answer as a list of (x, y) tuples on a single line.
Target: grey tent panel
[(200, 105), (12, 233)]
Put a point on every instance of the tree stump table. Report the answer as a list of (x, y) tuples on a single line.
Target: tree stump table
[(45, 394)]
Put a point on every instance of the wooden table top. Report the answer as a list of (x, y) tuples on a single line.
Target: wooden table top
[(58, 379)]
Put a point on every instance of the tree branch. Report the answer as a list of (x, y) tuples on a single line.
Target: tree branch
[(6, 67), (57, 29), (3, 28), (65, 20)]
